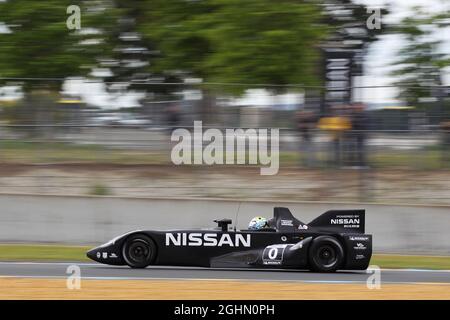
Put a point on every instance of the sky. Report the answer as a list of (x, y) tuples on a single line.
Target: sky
[(383, 52)]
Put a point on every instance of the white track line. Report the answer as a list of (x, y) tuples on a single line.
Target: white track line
[(415, 270), (48, 263), (204, 268), (228, 280)]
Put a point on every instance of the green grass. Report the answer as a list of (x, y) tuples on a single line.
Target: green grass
[(415, 159), (17, 151), (25, 252), (22, 252), (32, 152), (100, 190), (411, 262)]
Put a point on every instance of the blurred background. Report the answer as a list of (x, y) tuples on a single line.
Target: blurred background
[(359, 89)]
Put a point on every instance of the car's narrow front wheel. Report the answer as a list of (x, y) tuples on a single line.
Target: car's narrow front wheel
[(326, 254), (139, 251)]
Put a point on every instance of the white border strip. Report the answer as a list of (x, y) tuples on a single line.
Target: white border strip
[(226, 280), (200, 268)]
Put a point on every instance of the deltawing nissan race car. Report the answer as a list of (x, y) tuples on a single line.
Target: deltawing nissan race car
[(334, 240)]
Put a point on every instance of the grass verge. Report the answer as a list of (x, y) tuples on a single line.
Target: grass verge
[(35, 152), (411, 262), (37, 252)]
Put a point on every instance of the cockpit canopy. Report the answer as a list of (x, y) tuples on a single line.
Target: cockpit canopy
[(282, 221)]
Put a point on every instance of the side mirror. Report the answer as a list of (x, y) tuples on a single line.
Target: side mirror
[(223, 224)]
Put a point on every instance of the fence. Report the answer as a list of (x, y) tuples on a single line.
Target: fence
[(65, 146), (401, 166)]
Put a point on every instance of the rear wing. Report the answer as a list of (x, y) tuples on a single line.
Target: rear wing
[(352, 221)]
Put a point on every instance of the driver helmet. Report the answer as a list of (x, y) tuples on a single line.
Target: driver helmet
[(258, 223)]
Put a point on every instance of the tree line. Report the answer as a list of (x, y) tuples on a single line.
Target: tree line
[(219, 41)]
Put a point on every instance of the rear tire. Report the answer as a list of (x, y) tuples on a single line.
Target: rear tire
[(325, 254), (139, 251)]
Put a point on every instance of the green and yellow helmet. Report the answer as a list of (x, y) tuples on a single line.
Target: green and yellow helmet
[(258, 223)]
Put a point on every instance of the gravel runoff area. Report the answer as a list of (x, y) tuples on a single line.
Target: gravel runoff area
[(232, 182), (34, 289)]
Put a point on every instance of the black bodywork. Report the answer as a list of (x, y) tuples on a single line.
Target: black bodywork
[(334, 240)]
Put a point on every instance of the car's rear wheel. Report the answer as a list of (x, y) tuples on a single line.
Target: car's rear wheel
[(325, 254), (139, 251)]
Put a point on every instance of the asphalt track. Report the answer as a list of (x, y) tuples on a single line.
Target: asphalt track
[(104, 272)]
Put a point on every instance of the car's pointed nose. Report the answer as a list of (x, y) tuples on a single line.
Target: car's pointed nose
[(92, 254), (107, 253)]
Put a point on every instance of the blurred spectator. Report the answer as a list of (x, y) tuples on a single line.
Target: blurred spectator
[(445, 126), (347, 139), (336, 124), (360, 125), (306, 122), (173, 115)]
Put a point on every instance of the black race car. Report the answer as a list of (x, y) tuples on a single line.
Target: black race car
[(334, 240)]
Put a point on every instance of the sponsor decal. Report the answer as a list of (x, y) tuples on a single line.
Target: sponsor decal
[(184, 239), (347, 221), (99, 255), (360, 246), (359, 238), (105, 255), (303, 227), (287, 223), (360, 256), (113, 255), (344, 221), (273, 255)]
